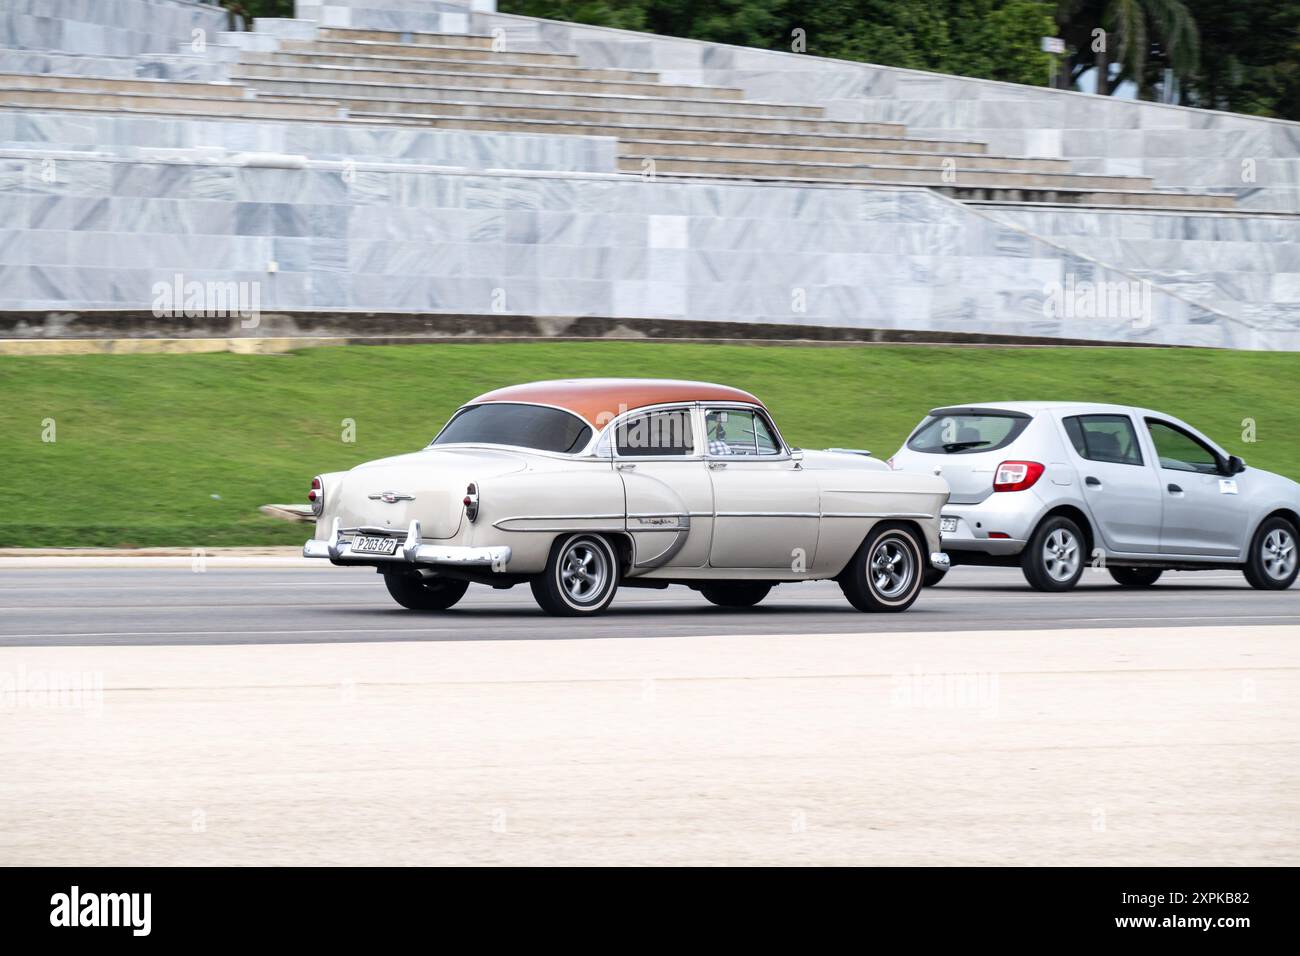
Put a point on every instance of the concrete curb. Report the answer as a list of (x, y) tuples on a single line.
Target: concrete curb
[(37, 558), (132, 331)]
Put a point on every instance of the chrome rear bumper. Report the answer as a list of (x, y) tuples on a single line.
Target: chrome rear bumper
[(940, 561), (339, 551)]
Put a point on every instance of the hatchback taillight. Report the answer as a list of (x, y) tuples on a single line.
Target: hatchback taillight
[(316, 496), (1016, 475)]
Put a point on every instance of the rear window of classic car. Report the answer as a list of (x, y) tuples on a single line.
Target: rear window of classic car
[(525, 426), (964, 431)]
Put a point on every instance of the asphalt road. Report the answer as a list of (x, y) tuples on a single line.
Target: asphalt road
[(123, 605), (294, 715)]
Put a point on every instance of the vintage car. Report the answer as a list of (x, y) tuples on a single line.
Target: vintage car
[(577, 487)]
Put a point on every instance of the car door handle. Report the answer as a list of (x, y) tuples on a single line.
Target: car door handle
[(1175, 489), (1092, 482), (715, 465), (625, 465)]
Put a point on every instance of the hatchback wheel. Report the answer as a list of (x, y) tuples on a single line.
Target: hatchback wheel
[(1272, 564), (1053, 559), (581, 577), (886, 573), (1136, 577)]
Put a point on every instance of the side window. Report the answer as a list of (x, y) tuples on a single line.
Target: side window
[(1179, 451), (1110, 438), (655, 434), (734, 431)]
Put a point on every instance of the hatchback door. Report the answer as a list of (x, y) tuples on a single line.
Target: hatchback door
[(1205, 510), (964, 446), (1122, 488)]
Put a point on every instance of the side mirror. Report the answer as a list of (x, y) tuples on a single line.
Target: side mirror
[(796, 455), (1235, 465)]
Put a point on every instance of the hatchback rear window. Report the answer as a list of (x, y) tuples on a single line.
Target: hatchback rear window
[(966, 432)]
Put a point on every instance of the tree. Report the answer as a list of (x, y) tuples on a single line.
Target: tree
[(1137, 34), (995, 39)]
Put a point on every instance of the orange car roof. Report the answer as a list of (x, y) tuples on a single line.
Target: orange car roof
[(598, 400)]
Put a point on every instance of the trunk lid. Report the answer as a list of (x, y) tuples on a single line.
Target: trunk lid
[(428, 486)]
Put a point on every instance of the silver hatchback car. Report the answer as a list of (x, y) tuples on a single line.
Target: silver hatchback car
[(1056, 486)]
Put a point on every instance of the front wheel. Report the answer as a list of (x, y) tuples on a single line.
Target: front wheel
[(886, 573), (735, 593), (417, 594), (1053, 558), (1136, 577), (580, 579), (1272, 565)]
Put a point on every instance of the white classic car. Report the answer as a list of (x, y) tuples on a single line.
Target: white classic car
[(578, 487)]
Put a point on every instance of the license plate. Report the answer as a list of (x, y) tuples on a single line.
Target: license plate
[(363, 544), (947, 525)]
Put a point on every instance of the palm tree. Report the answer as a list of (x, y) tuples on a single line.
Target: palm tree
[(1131, 27)]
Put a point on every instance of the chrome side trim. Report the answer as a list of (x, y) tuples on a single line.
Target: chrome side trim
[(612, 522), (874, 514), (766, 514), (667, 521)]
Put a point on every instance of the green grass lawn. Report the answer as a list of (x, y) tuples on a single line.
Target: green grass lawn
[(181, 450)]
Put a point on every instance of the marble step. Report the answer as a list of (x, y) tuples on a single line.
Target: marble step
[(898, 155), (893, 173), (466, 40), (459, 78), (623, 103), (1007, 196), (287, 108), (651, 116), (444, 64), (419, 51), (880, 136), (96, 84)]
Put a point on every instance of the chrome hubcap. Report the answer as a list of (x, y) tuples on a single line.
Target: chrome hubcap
[(584, 572), (892, 568), (1279, 554), (1061, 555)]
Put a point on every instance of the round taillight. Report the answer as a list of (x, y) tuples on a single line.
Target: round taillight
[(316, 496), (470, 501)]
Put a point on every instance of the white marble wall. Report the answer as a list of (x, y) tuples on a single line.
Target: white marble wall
[(1243, 266), (421, 16), (407, 238), (113, 27)]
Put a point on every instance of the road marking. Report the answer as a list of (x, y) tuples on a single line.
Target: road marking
[(241, 631), (1166, 617)]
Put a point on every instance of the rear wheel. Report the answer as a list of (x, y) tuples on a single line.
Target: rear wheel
[(735, 593), (1053, 558), (581, 577), (885, 574), (1136, 577), (419, 594), (1272, 564)]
